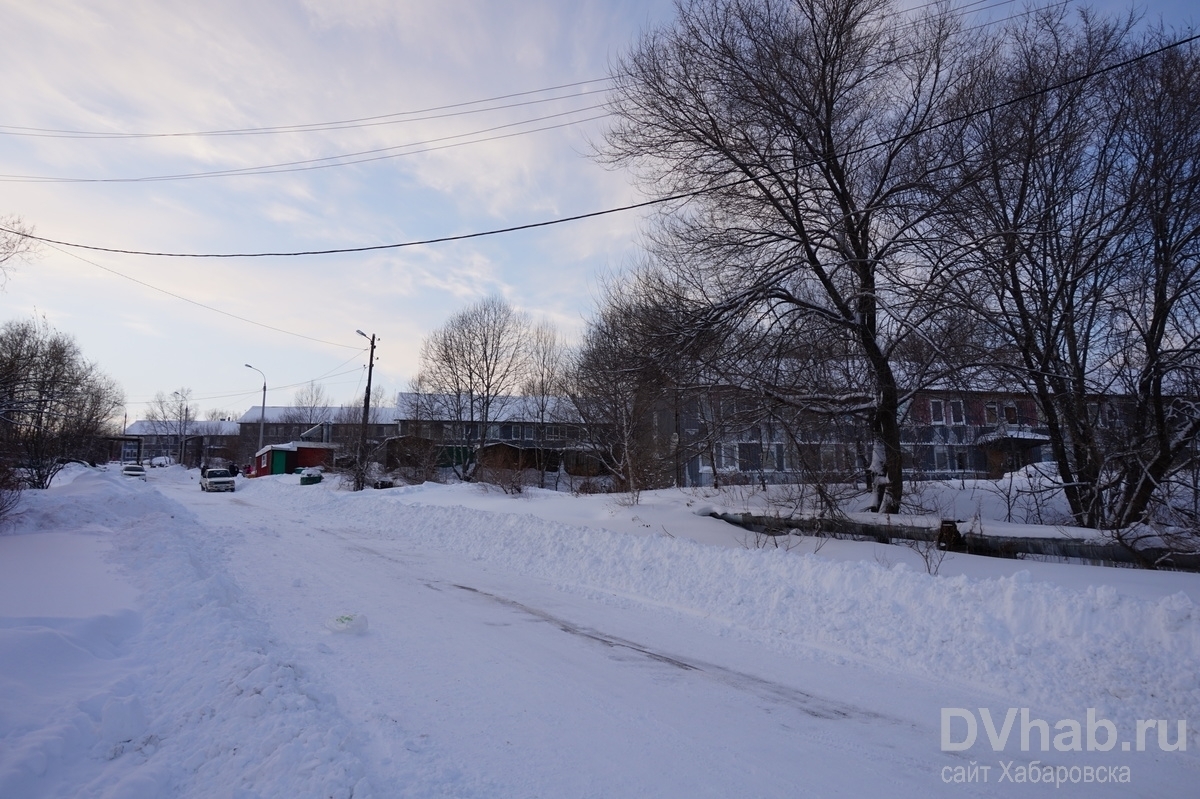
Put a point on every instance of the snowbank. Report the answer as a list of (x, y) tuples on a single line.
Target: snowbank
[(1056, 646)]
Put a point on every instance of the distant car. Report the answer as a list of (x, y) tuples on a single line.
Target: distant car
[(135, 470), (217, 480)]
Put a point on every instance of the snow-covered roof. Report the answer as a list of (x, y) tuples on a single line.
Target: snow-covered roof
[(293, 446), (144, 427), (282, 414), (507, 409), (1010, 434), (558, 410)]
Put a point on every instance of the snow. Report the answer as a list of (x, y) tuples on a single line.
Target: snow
[(159, 641)]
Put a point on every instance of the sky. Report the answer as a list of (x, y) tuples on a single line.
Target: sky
[(334, 125)]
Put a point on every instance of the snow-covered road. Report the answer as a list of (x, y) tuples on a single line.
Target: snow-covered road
[(474, 683), (509, 655)]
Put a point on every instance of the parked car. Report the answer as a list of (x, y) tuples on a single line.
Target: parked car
[(217, 480), (135, 470)]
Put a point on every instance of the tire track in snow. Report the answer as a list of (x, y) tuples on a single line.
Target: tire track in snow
[(809, 704)]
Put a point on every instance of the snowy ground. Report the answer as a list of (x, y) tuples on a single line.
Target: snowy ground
[(289, 641)]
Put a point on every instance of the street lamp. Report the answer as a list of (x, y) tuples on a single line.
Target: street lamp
[(262, 414), (360, 471)]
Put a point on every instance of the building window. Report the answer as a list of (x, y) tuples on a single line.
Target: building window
[(956, 412), (937, 412), (529, 432), (1010, 414), (961, 459), (991, 414), (940, 459), (749, 457)]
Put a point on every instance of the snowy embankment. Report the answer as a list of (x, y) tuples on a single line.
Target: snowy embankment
[(1057, 647), (81, 677)]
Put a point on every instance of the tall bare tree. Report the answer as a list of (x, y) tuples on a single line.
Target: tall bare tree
[(472, 367), (1154, 305), (797, 132), (1079, 215)]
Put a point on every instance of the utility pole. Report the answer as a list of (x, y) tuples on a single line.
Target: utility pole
[(360, 467)]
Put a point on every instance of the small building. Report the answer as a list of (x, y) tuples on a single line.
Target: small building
[(291, 457)]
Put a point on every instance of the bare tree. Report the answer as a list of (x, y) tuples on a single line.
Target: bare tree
[(15, 244), (173, 415), (310, 406), (1044, 192), (1079, 218), (797, 133), (54, 404), (351, 413), (543, 388), (472, 367), (620, 390), (1154, 305)]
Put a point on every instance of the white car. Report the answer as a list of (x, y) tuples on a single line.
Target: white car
[(217, 480), (135, 470)]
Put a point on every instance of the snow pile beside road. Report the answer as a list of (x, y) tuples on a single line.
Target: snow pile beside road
[(189, 697), (89, 499), (1061, 648)]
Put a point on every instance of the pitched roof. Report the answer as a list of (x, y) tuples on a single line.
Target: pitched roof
[(194, 427)]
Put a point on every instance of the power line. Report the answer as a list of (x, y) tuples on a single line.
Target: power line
[(345, 124), (619, 209), (255, 392), (373, 247), (336, 160), (195, 302), (383, 153), (396, 116)]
